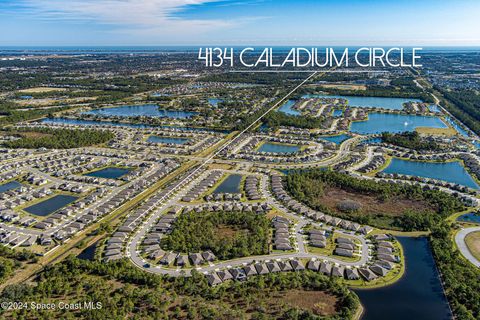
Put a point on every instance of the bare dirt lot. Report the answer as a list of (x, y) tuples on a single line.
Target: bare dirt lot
[(369, 203), (229, 232)]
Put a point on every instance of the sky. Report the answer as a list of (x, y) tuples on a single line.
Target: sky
[(239, 22)]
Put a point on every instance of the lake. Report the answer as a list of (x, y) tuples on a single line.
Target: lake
[(12, 185), (109, 173), (278, 148), (448, 171), (214, 102), (46, 207), (384, 122), (371, 140), (337, 113), (145, 110), (170, 140), (338, 139), (287, 108), (417, 295), (230, 185), (471, 217), (368, 102)]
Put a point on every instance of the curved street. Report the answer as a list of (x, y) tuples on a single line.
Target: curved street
[(462, 246)]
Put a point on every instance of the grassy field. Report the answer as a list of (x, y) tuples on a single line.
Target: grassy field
[(223, 166), (340, 86), (318, 302), (437, 131), (473, 243), (45, 102)]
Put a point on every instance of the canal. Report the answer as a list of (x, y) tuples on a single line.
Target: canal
[(417, 295)]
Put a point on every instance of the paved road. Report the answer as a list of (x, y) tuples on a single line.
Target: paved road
[(462, 246), (340, 155)]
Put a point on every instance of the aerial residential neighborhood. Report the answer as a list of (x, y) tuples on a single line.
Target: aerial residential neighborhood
[(139, 179)]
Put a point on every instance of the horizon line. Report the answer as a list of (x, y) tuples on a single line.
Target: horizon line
[(237, 45)]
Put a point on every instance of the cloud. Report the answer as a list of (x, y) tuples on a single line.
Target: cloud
[(132, 16)]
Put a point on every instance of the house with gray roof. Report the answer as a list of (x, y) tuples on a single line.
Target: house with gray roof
[(238, 274), (379, 270), (250, 270), (224, 275), (208, 256), (285, 265), (313, 265), (168, 258), (351, 274), (273, 266), (297, 265), (367, 274), (343, 252), (325, 268), (213, 279), (338, 271), (196, 258), (261, 268), (181, 260)]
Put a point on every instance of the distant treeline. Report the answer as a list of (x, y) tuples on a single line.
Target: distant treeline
[(57, 138), (10, 113), (463, 105), (376, 91), (254, 78), (398, 88)]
